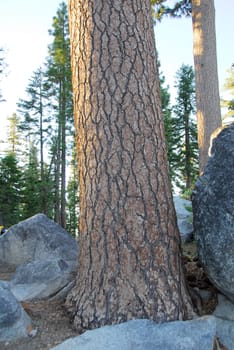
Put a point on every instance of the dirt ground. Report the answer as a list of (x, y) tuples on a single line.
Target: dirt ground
[(52, 324), (49, 320)]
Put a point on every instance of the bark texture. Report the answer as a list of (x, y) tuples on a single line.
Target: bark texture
[(206, 75), (129, 259)]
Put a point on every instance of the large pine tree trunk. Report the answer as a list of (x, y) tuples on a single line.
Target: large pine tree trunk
[(129, 255), (206, 75)]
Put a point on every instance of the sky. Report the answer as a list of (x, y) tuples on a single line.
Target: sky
[(24, 26)]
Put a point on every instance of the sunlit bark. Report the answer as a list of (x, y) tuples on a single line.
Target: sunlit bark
[(206, 75), (129, 255)]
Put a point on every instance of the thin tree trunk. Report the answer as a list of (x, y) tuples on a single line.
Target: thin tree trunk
[(42, 172), (187, 151), (63, 135), (129, 260), (63, 158), (206, 75), (57, 211)]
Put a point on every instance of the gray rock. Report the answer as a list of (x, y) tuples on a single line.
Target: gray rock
[(225, 333), (213, 213), (205, 295), (224, 313), (184, 218), (5, 284), (14, 322), (224, 309), (37, 238), (147, 335), (42, 279)]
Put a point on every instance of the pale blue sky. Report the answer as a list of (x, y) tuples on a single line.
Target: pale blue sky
[(24, 29), (24, 26)]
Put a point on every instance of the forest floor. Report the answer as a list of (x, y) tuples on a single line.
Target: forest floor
[(52, 323)]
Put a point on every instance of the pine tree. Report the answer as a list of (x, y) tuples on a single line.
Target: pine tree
[(59, 74), (36, 112), (13, 134), (1, 61), (184, 131), (178, 9), (206, 75), (168, 124), (11, 186), (229, 103), (31, 193), (73, 197), (205, 63), (2, 69), (46, 120), (129, 259)]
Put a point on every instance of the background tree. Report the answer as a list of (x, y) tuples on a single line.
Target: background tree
[(178, 9), (35, 122), (1, 60), (184, 157), (229, 103), (47, 120), (31, 187), (129, 261), (181, 129), (2, 69), (206, 75), (73, 197), (59, 74), (13, 134), (10, 194), (205, 63), (168, 124)]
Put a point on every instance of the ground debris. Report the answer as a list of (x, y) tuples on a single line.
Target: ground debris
[(50, 326)]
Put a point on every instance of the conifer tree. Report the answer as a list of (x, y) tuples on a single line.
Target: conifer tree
[(167, 117), (31, 194), (2, 69), (13, 134), (10, 194), (205, 64), (46, 121), (184, 158), (228, 103), (59, 74), (36, 115), (73, 197), (129, 262), (1, 60)]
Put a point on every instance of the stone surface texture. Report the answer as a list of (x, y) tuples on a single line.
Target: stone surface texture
[(44, 257), (36, 238), (184, 217), (224, 313), (213, 213), (14, 322), (42, 279), (147, 335)]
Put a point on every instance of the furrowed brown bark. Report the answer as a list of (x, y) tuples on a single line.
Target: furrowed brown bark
[(206, 76), (129, 255)]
